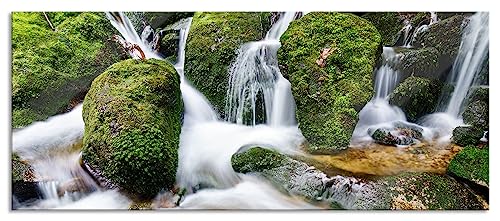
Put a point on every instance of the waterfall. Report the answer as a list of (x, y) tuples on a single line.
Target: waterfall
[(472, 52), (378, 111), (257, 91)]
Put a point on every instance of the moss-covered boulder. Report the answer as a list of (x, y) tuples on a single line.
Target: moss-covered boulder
[(445, 36), (21, 170), (212, 45), (132, 117), (416, 96), (162, 19), (400, 133), (417, 191), (464, 136), (422, 62), (329, 60), (472, 163), (477, 115), (389, 24), (50, 68)]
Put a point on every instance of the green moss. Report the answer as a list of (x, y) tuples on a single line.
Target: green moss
[(19, 169), (388, 24), (445, 36), (416, 96), (464, 136), (256, 159), (49, 68), (328, 98), (212, 45), (132, 117), (162, 19), (471, 163), (433, 191), (422, 62)]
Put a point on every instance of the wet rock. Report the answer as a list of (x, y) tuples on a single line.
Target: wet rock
[(464, 136), (423, 62), (330, 95), (403, 191), (477, 115), (400, 133), (21, 170), (163, 19), (50, 68), (472, 164), (25, 193), (212, 45), (416, 96), (138, 152)]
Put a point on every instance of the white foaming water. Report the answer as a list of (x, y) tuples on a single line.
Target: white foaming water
[(127, 31), (471, 55), (256, 84), (472, 52), (378, 112), (406, 32), (58, 131), (250, 193)]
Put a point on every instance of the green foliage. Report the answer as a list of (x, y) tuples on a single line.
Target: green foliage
[(256, 159), (471, 163), (464, 136), (49, 68), (328, 98), (132, 117), (388, 24), (416, 96), (212, 45)]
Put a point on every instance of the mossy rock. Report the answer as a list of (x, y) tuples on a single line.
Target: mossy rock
[(50, 68), (21, 170), (472, 163), (212, 45), (329, 96), (162, 19), (132, 117), (256, 159), (425, 191), (479, 94), (477, 115), (416, 96), (389, 25), (445, 36), (464, 136), (423, 62), (400, 133)]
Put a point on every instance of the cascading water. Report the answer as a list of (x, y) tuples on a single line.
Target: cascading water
[(378, 111), (408, 42), (257, 91), (472, 53)]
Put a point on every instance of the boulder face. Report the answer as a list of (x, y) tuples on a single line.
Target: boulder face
[(476, 111), (132, 117), (471, 164), (416, 96), (212, 45), (464, 136), (389, 24), (329, 60), (50, 68)]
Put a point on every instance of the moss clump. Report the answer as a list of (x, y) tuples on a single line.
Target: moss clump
[(471, 163), (21, 171), (423, 62), (388, 24), (328, 98), (416, 96), (464, 136), (132, 117), (256, 159), (212, 45), (49, 68), (427, 191)]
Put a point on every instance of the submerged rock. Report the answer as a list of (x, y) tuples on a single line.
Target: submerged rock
[(472, 164), (132, 117), (329, 96), (50, 68), (212, 45), (404, 191), (464, 136), (400, 134), (416, 96)]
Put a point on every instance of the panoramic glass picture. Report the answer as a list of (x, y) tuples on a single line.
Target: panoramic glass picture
[(250, 110)]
